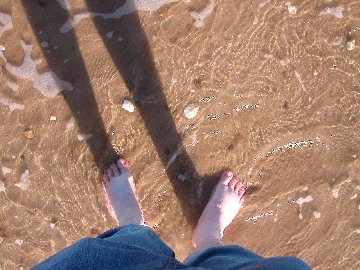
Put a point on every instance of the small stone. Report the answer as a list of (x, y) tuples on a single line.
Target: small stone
[(53, 118), (191, 111), (29, 133), (2, 48), (350, 45), (128, 106)]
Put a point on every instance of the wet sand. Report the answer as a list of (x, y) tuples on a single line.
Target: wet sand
[(277, 88)]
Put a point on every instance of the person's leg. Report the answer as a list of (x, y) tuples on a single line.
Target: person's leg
[(131, 246), (223, 206)]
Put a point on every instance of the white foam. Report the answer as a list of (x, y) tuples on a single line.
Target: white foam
[(201, 16), (44, 44), (284, 62), (47, 83), (255, 218), (70, 124), (64, 4), (2, 186), (24, 180), (292, 9), (337, 41), (298, 77), (129, 7), (173, 158), (335, 191), (12, 86), (6, 22), (335, 11), (84, 137), (316, 214), (263, 3), (19, 242), (303, 200), (11, 105), (5, 170), (109, 34)]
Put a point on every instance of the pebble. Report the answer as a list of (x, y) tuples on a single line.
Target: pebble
[(53, 118), (350, 45), (2, 48), (29, 133), (128, 106), (190, 111)]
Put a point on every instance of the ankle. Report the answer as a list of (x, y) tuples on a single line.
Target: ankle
[(208, 243)]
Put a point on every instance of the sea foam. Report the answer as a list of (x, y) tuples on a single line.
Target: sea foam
[(129, 7), (47, 83)]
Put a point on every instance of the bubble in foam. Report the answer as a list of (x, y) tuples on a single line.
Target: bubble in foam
[(24, 180), (11, 105), (129, 7), (47, 83)]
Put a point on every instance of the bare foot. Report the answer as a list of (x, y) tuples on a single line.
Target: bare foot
[(224, 204), (120, 195)]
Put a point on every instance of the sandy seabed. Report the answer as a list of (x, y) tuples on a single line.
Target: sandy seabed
[(276, 88)]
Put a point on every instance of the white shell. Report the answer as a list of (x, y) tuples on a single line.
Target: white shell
[(128, 106), (191, 111)]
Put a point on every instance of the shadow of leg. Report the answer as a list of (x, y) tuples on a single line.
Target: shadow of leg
[(48, 17), (135, 62)]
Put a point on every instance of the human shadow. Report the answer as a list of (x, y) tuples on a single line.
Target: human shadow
[(133, 58), (63, 56)]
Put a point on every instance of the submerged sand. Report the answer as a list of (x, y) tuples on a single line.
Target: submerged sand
[(276, 88)]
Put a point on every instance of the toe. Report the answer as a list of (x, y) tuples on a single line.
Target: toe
[(106, 179), (124, 167), (115, 169), (226, 177), (241, 192), (109, 172), (238, 186), (123, 162), (233, 182)]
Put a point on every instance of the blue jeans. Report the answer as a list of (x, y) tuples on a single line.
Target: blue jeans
[(138, 247)]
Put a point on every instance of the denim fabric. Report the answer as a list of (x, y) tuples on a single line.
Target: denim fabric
[(138, 247)]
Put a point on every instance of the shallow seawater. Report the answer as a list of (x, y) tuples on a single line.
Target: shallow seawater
[(276, 88)]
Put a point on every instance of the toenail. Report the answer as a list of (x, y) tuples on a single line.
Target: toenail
[(228, 174), (122, 161)]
